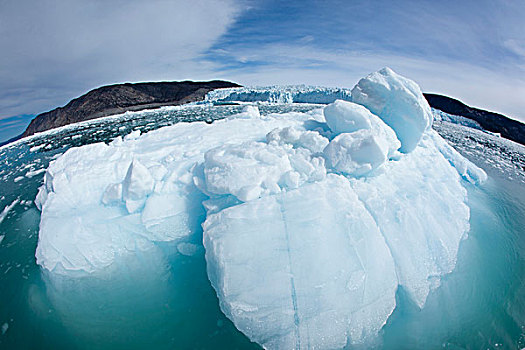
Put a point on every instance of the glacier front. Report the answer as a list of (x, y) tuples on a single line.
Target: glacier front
[(310, 221)]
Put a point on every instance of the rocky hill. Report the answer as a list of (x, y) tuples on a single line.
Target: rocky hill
[(119, 98), (494, 122)]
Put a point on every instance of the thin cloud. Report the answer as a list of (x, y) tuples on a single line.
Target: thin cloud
[(53, 51), (464, 49), (474, 85)]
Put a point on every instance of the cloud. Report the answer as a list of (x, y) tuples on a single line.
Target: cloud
[(472, 50), (515, 46), (13, 126), (53, 51)]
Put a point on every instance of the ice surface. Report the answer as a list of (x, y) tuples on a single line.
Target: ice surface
[(364, 142), (420, 206), (311, 221), (399, 102), (311, 140), (356, 153), (254, 169), (322, 275), (102, 201), (137, 185)]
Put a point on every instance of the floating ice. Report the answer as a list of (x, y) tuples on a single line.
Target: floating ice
[(399, 102), (310, 222), (322, 270), (248, 112), (100, 202), (364, 142), (7, 209)]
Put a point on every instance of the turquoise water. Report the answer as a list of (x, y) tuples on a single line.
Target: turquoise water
[(480, 305)]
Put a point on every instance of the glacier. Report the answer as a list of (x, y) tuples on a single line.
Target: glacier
[(311, 222), (278, 94)]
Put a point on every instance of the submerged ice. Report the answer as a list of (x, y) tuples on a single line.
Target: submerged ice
[(310, 221)]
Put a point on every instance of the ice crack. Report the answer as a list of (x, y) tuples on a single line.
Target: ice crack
[(280, 202)]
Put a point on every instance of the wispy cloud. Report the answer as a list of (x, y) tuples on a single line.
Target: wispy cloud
[(55, 50), (13, 126), (298, 64), (471, 50)]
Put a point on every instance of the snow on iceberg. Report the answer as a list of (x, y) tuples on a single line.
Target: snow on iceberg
[(310, 223)]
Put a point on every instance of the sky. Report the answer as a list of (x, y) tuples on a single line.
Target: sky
[(53, 51)]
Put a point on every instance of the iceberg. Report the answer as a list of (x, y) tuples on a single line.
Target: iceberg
[(306, 268), (311, 222), (100, 202), (399, 102), (363, 142)]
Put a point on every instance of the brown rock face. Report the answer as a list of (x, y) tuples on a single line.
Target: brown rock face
[(114, 99)]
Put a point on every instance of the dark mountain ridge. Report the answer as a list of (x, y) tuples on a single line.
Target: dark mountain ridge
[(120, 98), (493, 122)]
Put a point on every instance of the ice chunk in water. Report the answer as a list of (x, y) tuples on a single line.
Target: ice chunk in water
[(299, 256), (399, 102), (101, 203), (248, 112), (304, 268)]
